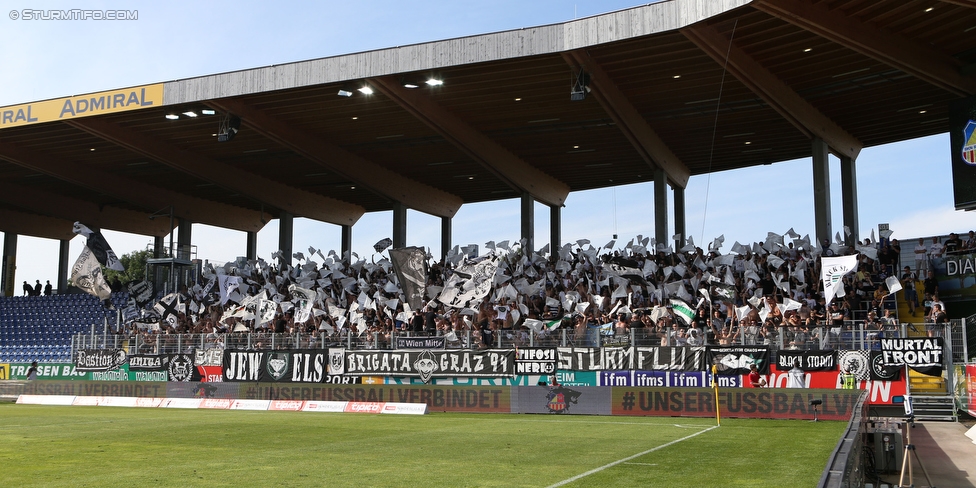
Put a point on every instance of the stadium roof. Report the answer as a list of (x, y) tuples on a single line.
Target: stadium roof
[(686, 86)]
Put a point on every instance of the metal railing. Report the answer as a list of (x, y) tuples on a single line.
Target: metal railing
[(850, 336)]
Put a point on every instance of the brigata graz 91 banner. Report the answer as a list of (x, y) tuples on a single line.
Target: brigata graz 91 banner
[(423, 364)]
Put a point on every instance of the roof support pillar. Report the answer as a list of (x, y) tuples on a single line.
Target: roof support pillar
[(660, 206), (821, 190), (679, 217), (399, 225), (251, 248), (848, 185), (446, 231), (184, 239), (158, 246), (9, 263), (63, 266), (528, 221), (555, 228), (286, 231), (345, 247)]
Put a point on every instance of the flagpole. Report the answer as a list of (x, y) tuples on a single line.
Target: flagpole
[(718, 415)]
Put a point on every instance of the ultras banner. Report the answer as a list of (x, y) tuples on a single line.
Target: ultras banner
[(806, 360), (423, 364), (663, 358), (924, 355), (304, 365), (99, 359), (536, 360), (737, 359)]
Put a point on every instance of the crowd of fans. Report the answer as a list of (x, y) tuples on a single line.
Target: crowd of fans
[(773, 296)]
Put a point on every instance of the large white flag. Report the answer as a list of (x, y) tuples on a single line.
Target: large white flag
[(227, 286), (831, 272), (893, 284), (87, 275)]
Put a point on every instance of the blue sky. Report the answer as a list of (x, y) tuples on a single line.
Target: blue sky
[(907, 184)]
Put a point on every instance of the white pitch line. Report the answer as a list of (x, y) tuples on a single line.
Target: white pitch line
[(610, 465)]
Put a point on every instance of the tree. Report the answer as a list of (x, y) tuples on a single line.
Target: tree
[(135, 267)]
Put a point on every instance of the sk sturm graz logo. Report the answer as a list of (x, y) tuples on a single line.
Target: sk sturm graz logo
[(278, 365), (560, 398), (180, 368), (425, 365), (969, 143)]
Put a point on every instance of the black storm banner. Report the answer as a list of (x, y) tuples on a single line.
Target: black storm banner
[(806, 360), (425, 364), (305, 366)]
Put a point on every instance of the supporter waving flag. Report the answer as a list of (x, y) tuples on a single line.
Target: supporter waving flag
[(832, 271), (683, 310)]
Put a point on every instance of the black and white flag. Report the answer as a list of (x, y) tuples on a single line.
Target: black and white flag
[(168, 310), (87, 275), (96, 243), (411, 270)]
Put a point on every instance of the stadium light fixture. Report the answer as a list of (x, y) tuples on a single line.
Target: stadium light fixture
[(344, 93), (434, 82), (366, 90), (190, 113), (172, 116), (208, 111)]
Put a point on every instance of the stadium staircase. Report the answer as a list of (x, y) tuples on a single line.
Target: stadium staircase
[(930, 394), (41, 328)]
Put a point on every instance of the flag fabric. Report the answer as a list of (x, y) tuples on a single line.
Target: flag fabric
[(683, 310), (469, 284), (227, 286), (383, 244), (168, 310), (723, 292), (893, 284), (87, 275), (99, 247), (411, 270), (832, 271), (303, 299)]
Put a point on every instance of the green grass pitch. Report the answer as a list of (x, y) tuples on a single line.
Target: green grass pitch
[(108, 446)]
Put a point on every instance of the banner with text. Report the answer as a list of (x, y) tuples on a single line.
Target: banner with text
[(423, 364), (806, 360), (735, 360)]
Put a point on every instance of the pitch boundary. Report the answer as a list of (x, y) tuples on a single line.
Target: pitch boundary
[(621, 461)]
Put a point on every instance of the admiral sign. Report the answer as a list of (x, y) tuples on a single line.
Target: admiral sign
[(105, 102)]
